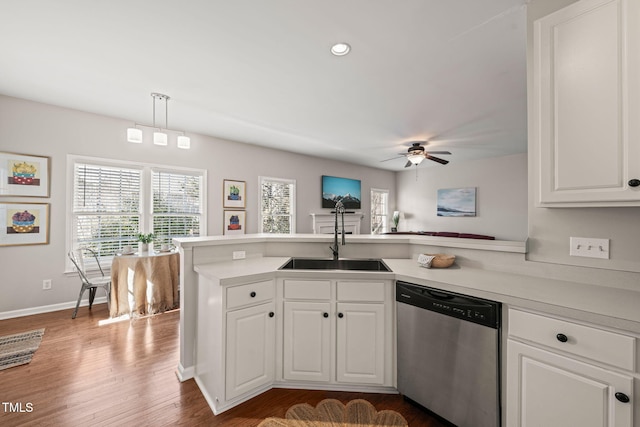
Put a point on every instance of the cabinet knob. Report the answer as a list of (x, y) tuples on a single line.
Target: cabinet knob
[(562, 338), (622, 397), (325, 315), (340, 315), (271, 314), (253, 294), (634, 182)]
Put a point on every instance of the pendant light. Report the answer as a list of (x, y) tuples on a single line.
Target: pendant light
[(160, 134)]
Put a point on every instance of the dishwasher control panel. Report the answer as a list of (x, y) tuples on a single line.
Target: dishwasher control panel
[(477, 310)]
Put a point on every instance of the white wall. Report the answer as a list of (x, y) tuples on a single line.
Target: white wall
[(39, 129), (550, 228), (501, 196)]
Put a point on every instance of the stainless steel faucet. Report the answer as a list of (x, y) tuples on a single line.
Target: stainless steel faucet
[(335, 248)]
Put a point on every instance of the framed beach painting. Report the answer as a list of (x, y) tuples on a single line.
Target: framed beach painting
[(457, 201), (24, 175), (24, 224), (233, 194), (234, 222)]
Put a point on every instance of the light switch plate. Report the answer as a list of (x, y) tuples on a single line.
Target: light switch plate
[(239, 254), (589, 247)]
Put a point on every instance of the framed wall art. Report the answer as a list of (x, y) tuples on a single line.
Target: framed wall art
[(457, 201), (24, 175), (24, 224), (233, 194), (234, 222)]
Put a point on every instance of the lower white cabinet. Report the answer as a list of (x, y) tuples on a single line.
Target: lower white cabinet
[(307, 341), (360, 343), (338, 331), (251, 335), (552, 387)]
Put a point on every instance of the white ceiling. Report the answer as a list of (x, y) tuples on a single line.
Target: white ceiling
[(449, 71)]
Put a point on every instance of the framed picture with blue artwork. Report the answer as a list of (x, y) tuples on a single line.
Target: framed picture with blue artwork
[(233, 194), (234, 222)]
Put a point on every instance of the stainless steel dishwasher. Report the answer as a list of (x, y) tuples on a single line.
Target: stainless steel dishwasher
[(449, 354)]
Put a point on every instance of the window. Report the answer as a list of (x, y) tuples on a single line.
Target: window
[(379, 211), (111, 202), (177, 205), (277, 205)]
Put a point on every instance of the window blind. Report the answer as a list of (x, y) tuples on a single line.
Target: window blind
[(106, 207), (177, 205)]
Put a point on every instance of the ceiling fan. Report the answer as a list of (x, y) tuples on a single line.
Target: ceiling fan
[(416, 154)]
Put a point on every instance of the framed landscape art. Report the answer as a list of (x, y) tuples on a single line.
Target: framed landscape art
[(24, 175), (24, 224), (457, 202)]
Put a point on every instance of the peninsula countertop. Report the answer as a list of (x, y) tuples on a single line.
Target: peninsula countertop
[(607, 306)]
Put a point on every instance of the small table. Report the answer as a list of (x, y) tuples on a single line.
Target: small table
[(144, 283)]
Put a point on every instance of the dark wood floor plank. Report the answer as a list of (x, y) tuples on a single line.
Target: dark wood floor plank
[(123, 373)]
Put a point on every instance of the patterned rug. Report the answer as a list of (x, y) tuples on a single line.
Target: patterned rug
[(18, 349), (333, 413)]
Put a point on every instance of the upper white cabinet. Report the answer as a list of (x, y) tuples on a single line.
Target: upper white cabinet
[(586, 105)]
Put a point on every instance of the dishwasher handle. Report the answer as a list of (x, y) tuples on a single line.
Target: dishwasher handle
[(440, 295)]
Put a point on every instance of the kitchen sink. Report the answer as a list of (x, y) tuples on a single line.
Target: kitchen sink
[(333, 264)]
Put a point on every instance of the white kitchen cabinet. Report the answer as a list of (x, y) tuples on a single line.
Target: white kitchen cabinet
[(360, 343), (586, 103), (251, 336), (559, 374), (307, 341), (236, 341), (338, 331)]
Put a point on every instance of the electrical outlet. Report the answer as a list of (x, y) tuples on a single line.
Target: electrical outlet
[(239, 254), (589, 247), (46, 284)]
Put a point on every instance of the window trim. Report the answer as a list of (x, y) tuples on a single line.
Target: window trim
[(261, 180), (146, 195)]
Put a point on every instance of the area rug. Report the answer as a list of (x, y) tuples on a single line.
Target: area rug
[(18, 349), (333, 413)]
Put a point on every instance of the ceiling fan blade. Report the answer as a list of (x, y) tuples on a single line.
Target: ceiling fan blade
[(436, 159), (393, 158), (408, 164), (438, 152)]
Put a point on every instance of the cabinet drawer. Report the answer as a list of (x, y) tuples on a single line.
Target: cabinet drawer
[(307, 289), (361, 291), (596, 344), (238, 296)]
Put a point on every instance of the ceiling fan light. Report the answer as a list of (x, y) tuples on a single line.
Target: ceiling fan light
[(134, 135), (416, 159), (160, 138), (184, 142)]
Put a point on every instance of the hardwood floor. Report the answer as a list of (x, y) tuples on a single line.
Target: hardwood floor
[(123, 373)]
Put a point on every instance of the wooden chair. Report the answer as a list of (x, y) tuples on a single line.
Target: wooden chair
[(91, 284)]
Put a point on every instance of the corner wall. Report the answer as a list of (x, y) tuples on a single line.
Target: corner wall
[(501, 196), (550, 228), (45, 130)]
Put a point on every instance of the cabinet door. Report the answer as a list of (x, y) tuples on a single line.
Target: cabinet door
[(360, 343), (585, 123), (307, 341), (550, 390), (250, 357)]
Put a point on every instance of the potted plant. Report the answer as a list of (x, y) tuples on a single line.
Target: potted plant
[(143, 241), (395, 218)]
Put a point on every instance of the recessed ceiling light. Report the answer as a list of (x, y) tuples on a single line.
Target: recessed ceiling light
[(340, 49)]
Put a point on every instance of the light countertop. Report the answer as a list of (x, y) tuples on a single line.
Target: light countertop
[(606, 306)]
